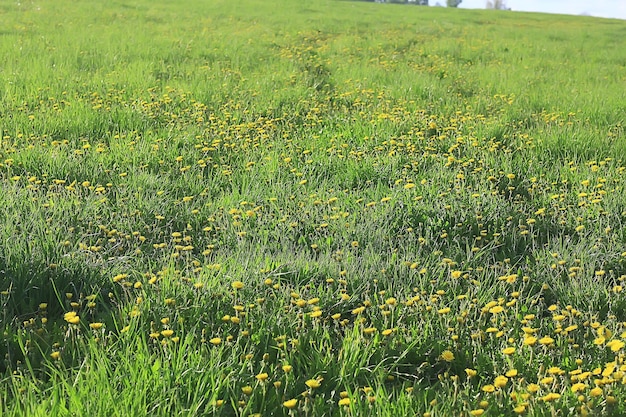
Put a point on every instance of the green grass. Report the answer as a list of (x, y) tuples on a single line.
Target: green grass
[(206, 205)]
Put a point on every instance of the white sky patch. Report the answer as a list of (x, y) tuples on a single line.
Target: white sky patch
[(599, 8)]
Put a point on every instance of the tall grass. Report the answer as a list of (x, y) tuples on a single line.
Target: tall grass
[(287, 208)]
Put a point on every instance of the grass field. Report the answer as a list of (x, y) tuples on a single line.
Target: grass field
[(242, 208)]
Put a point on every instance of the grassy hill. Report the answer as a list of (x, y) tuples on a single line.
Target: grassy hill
[(310, 208)]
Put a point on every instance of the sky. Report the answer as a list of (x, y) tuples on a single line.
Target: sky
[(599, 8)]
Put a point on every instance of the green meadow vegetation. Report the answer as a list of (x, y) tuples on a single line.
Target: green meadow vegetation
[(254, 208)]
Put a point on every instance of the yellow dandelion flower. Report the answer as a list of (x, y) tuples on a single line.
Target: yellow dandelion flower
[(555, 370), (546, 341), (471, 372), (344, 402), (508, 350), (96, 326), (596, 392), (237, 285), (489, 388), (578, 387), (520, 409), (511, 373), (532, 388), (530, 340), (116, 278), (55, 355), (167, 333), (314, 383), (477, 412), (315, 314), (447, 356), (552, 396), (445, 310), (287, 368), (290, 404), (215, 341), (247, 390), (358, 310), (262, 376), (615, 345), (500, 381), (496, 309), (370, 330)]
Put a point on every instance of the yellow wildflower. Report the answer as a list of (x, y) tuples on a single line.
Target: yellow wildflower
[(551, 397), (290, 404), (313, 383), (546, 340), (500, 381), (532, 388), (447, 356), (496, 309), (520, 409), (508, 350)]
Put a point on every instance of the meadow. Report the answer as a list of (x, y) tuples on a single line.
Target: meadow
[(254, 208)]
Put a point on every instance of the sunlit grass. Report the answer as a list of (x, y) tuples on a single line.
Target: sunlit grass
[(252, 208)]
